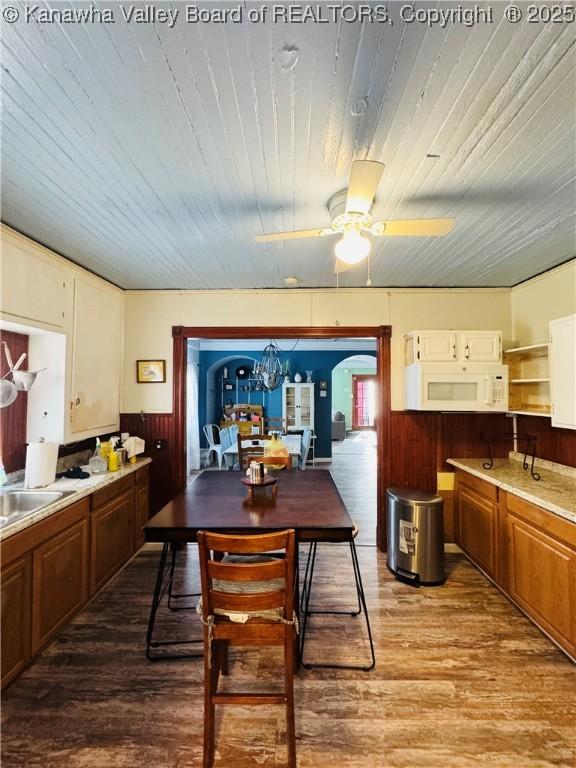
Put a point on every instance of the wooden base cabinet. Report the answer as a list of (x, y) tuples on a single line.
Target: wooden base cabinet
[(112, 533), (141, 506), (542, 568), (478, 522), (527, 551), (52, 568), (16, 589), (60, 582)]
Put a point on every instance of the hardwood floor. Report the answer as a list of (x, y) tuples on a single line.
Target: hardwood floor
[(462, 679), (353, 468)]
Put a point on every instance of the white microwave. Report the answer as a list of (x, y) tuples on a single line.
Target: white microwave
[(456, 387)]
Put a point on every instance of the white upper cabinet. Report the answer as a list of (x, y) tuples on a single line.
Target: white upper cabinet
[(562, 352), (481, 346), (33, 283), (452, 346), (96, 359)]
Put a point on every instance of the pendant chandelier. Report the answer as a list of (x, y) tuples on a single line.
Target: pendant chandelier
[(269, 369)]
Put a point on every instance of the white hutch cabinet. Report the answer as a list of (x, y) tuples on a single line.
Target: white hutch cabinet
[(298, 405)]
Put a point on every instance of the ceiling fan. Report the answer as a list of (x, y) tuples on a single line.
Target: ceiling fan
[(351, 216)]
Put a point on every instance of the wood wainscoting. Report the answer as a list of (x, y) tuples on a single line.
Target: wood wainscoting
[(151, 427), (13, 422), (552, 443)]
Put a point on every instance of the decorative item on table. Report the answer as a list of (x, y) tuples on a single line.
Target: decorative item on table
[(276, 447), (309, 377), (297, 378), (150, 371), (134, 447)]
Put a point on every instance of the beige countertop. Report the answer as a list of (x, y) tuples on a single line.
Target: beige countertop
[(555, 491), (81, 489)]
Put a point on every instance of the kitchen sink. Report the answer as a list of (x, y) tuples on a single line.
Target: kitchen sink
[(17, 504)]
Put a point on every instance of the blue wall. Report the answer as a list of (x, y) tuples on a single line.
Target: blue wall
[(320, 362)]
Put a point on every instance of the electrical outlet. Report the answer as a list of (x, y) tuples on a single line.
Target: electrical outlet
[(160, 445)]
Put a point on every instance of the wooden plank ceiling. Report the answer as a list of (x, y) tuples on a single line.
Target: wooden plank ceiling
[(153, 155)]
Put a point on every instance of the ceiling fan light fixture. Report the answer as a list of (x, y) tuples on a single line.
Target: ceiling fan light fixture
[(353, 247)]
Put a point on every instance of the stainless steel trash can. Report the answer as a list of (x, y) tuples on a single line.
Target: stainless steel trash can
[(415, 534)]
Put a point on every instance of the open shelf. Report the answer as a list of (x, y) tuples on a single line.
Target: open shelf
[(530, 349), (529, 381)]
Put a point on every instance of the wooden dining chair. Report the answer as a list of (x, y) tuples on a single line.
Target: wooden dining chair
[(247, 600), (275, 423)]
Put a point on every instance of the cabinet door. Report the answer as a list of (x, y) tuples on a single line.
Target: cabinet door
[(32, 284), (290, 409), (306, 410), (141, 511), (112, 528), (542, 579), (481, 346), (16, 617), (60, 582), (436, 346), (96, 360), (562, 351), (478, 528)]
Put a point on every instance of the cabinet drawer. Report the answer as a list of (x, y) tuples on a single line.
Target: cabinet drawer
[(482, 487), (547, 521), (60, 582), (111, 491)]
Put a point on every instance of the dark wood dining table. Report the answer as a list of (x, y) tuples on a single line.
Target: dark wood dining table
[(308, 502)]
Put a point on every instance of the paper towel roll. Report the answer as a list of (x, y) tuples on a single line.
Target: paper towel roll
[(41, 461)]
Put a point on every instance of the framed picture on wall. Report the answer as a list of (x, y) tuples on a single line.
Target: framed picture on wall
[(323, 386), (150, 371)]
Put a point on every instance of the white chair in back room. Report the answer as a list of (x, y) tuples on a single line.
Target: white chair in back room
[(212, 433)]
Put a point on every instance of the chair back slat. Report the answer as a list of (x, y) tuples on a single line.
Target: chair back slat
[(274, 569), (222, 581), (255, 601)]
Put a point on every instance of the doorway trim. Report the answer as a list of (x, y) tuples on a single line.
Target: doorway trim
[(382, 334)]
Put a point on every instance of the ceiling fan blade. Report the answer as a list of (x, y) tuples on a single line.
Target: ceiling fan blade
[(294, 235), (412, 227), (342, 266), (364, 178)]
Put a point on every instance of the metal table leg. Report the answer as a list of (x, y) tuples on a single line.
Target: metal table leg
[(164, 582)]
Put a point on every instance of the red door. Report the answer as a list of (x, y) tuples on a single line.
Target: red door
[(363, 402)]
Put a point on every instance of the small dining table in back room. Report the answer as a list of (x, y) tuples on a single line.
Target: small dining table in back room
[(308, 502)]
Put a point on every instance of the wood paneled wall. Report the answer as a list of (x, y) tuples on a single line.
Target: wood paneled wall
[(13, 418), (553, 444), (421, 442), (155, 426)]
